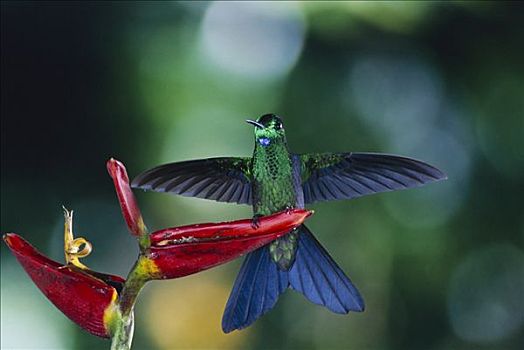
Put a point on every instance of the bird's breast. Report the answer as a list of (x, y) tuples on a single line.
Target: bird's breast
[(274, 185)]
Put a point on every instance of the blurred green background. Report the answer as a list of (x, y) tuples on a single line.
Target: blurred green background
[(440, 267)]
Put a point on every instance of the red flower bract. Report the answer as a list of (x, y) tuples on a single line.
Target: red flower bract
[(181, 251), (101, 303), (127, 200), (82, 296)]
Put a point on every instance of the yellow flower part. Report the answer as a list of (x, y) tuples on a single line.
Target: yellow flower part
[(74, 249)]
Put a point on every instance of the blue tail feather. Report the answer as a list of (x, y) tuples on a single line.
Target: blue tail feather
[(314, 274), (318, 277), (257, 288)]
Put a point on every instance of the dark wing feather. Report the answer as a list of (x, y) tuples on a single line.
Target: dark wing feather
[(331, 176), (220, 179)]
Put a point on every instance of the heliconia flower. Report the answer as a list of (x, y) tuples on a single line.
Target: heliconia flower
[(99, 302), (87, 298), (127, 200), (185, 250)]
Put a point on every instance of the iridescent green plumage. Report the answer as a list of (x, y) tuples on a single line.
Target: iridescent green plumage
[(273, 184)]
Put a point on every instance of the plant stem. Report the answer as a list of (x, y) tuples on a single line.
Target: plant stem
[(123, 326), (123, 333)]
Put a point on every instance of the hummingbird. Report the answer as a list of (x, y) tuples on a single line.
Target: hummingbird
[(275, 179)]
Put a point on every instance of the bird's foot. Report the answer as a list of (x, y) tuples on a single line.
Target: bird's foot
[(255, 221)]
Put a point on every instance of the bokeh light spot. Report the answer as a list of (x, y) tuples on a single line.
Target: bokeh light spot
[(186, 314), (485, 302), (260, 40), (393, 95)]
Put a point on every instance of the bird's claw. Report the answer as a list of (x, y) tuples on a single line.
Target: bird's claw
[(255, 221)]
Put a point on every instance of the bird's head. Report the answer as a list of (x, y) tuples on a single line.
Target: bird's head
[(268, 130)]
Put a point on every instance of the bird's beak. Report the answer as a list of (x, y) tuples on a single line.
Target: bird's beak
[(257, 124)]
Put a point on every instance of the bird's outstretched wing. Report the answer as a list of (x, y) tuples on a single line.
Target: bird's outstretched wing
[(332, 176), (221, 179)]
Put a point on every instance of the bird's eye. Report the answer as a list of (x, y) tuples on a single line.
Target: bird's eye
[(278, 126)]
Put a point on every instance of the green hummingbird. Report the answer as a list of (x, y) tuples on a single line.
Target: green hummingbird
[(272, 180)]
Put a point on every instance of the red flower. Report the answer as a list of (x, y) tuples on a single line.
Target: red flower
[(86, 298), (127, 200), (101, 303), (185, 250), (89, 298)]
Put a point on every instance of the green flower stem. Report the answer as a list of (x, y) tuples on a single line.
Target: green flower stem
[(144, 242), (122, 328), (123, 333)]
